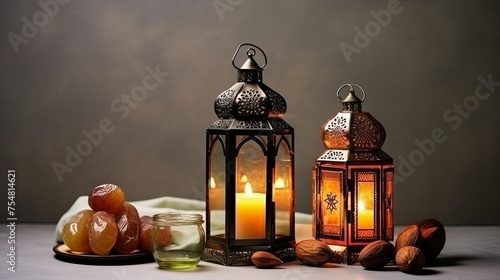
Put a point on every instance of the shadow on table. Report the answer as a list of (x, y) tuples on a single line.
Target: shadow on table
[(423, 271), (439, 262), (426, 271), (452, 260)]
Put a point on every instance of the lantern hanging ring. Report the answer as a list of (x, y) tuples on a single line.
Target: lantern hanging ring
[(352, 90), (250, 52)]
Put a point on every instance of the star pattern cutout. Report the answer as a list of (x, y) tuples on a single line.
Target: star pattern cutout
[(331, 200)]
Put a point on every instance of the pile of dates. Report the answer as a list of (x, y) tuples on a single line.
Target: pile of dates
[(111, 225)]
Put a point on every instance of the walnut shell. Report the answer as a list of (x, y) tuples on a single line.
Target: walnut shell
[(433, 238), (376, 254), (410, 259), (409, 236), (313, 252), (265, 259)]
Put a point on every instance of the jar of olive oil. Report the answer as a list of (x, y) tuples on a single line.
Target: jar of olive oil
[(178, 240)]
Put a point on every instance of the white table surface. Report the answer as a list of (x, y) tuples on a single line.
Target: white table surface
[(469, 253)]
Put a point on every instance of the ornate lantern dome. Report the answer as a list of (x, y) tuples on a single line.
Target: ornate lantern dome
[(250, 98), (352, 129)]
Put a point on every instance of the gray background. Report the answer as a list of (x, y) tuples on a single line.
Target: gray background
[(427, 58)]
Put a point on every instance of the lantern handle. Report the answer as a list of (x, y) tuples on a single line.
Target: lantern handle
[(250, 52), (352, 90)]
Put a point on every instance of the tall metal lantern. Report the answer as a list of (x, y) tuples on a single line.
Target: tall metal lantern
[(250, 171), (353, 181)]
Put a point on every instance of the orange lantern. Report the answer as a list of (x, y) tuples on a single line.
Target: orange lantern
[(353, 181)]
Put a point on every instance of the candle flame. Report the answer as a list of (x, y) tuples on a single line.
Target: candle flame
[(248, 189), (244, 179), (279, 184), (361, 206), (212, 183)]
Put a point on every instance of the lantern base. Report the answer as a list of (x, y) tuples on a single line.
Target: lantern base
[(349, 256), (241, 255), (345, 255)]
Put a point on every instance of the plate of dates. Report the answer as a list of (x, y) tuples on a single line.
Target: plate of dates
[(110, 232)]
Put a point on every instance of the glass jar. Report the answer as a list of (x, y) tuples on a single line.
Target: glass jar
[(178, 240)]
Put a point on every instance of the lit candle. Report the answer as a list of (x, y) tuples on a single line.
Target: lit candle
[(250, 214), (365, 216)]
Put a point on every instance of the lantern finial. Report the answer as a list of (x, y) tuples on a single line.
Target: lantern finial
[(351, 103), (250, 53), (250, 63)]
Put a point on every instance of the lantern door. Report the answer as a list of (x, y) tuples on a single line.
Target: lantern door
[(365, 195), (330, 208), (251, 187), (216, 187)]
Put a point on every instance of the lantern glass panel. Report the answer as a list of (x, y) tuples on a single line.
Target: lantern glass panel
[(282, 195), (332, 203), (364, 204), (388, 202), (217, 189), (314, 192), (251, 188)]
